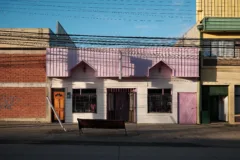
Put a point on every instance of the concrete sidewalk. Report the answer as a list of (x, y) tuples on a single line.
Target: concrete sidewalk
[(214, 135)]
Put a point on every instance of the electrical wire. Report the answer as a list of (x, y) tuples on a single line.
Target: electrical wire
[(10, 32), (151, 14), (100, 3), (77, 2), (104, 41)]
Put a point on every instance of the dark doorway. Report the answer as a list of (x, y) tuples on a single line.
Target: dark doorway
[(121, 104), (215, 104), (218, 109)]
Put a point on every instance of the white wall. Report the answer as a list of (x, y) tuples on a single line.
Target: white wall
[(80, 79)]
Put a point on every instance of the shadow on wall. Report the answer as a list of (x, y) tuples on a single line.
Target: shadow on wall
[(73, 58), (160, 75), (84, 77), (209, 74), (160, 78), (140, 66)]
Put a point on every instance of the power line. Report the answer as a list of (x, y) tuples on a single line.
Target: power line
[(106, 10), (81, 8), (77, 2), (110, 42), (121, 4), (83, 17), (85, 40), (97, 7), (159, 14), (66, 8), (96, 36), (104, 42), (88, 42), (9, 32)]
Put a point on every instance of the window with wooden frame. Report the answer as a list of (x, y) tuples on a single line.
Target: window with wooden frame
[(220, 48), (159, 100), (84, 101)]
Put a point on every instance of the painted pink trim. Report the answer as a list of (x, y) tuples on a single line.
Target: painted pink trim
[(160, 62), (84, 62)]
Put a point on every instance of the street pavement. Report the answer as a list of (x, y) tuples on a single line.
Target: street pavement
[(86, 152), (220, 135), (49, 141)]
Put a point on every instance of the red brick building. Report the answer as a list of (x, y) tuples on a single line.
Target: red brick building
[(23, 82), (23, 85)]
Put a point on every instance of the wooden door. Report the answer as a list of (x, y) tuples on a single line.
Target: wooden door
[(122, 106), (110, 106), (187, 108), (59, 105)]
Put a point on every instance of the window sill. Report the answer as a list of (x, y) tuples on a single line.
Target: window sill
[(84, 112), (221, 57), (159, 113)]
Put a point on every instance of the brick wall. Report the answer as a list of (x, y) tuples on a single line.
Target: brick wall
[(22, 103), (22, 68)]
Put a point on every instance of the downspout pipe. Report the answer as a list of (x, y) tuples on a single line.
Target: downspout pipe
[(120, 65), (200, 28)]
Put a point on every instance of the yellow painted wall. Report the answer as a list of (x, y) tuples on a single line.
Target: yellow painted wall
[(223, 75), (221, 35), (217, 8), (220, 75), (24, 37)]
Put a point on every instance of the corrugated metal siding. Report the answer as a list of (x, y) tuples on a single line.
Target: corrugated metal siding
[(221, 24), (217, 8), (135, 62)]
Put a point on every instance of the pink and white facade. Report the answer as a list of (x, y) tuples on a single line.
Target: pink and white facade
[(142, 85)]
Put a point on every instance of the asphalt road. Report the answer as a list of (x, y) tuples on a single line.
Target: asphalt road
[(92, 152)]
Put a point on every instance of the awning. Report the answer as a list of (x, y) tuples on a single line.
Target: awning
[(218, 90)]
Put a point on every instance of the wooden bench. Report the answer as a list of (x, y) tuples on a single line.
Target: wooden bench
[(101, 124)]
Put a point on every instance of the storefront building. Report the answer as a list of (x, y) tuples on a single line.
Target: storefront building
[(139, 85)]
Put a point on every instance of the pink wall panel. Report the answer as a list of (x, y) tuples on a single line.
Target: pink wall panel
[(134, 61)]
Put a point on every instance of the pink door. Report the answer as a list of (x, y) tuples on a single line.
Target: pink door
[(187, 105)]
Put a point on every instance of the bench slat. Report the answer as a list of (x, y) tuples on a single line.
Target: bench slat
[(100, 123)]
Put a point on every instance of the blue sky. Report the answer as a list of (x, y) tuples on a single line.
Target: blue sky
[(158, 18)]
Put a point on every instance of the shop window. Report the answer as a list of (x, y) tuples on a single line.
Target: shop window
[(84, 101), (237, 100), (237, 48), (159, 100)]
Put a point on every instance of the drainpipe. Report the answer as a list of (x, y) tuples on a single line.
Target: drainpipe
[(120, 65), (200, 28)]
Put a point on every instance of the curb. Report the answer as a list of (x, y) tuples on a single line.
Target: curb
[(116, 143)]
